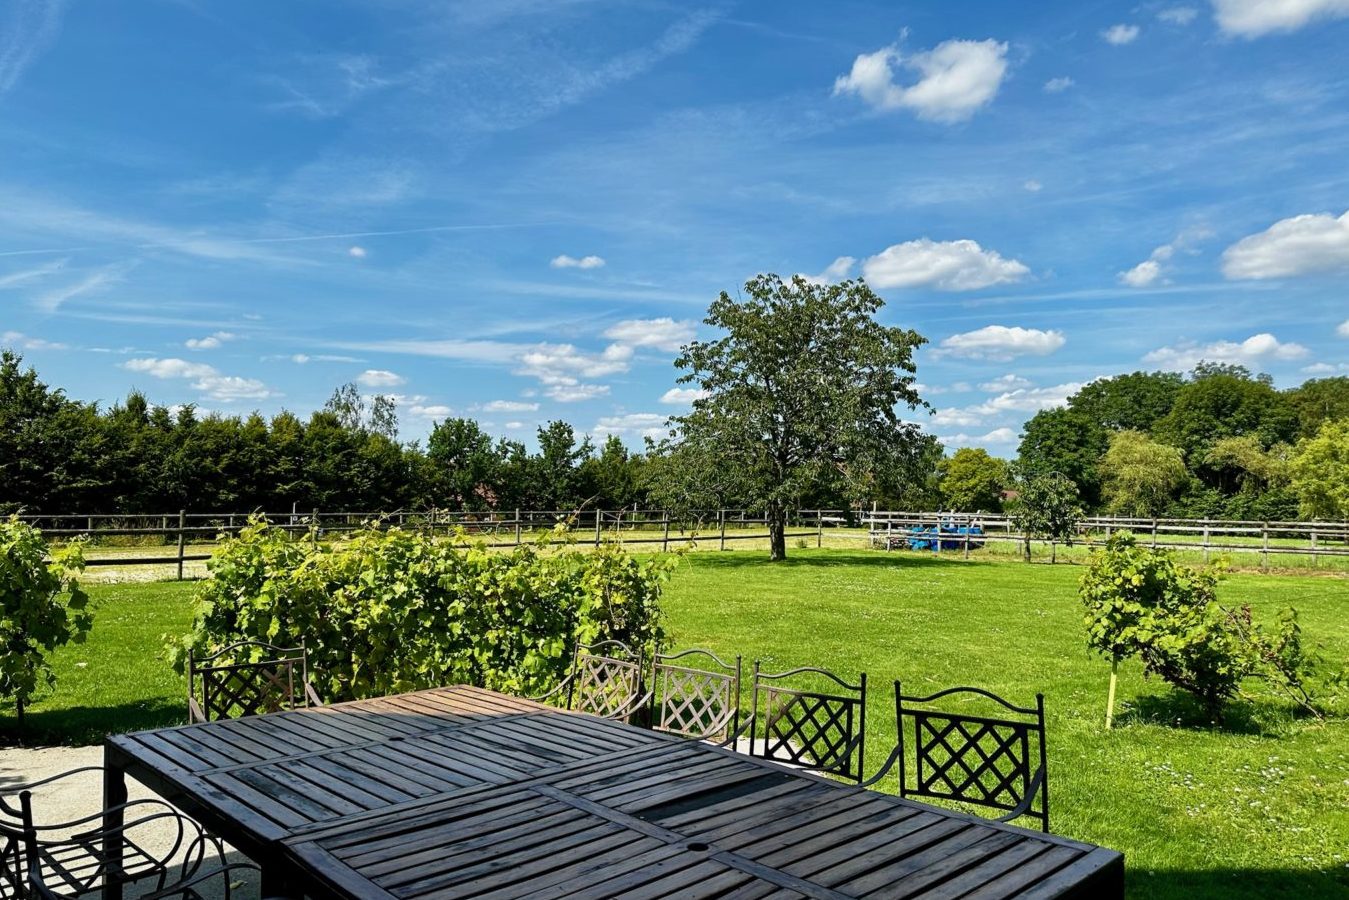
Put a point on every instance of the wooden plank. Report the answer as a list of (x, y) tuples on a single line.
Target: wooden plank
[(1098, 874), (987, 870), (1013, 882)]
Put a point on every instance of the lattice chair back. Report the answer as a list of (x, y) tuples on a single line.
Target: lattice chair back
[(991, 762), (807, 728), (695, 693), (605, 680), (249, 678)]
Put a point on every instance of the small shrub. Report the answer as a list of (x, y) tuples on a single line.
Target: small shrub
[(41, 608), (1139, 602), (385, 611)]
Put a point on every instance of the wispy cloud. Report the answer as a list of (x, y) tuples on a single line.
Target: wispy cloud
[(36, 273), (28, 342), (27, 29), (51, 301)]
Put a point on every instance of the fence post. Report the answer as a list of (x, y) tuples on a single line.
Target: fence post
[(1314, 550), (967, 541), (665, 541), (517, 527), (721, 515), (314, 527), (182, 523), (1264, 545), (819, 529), (598, 524), (1154, 534), (1205, 542)]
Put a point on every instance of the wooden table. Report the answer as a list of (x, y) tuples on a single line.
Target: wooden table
[(459, 792)]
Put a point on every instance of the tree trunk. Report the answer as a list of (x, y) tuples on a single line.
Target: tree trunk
[(777, 532), (1025, 549)]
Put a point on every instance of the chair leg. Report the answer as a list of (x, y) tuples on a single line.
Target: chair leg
[(114, 820)]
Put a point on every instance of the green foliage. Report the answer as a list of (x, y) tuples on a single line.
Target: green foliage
[(972, 481), (386, 611), (1066, 441), (1139, 475), (1221, 402), (801, 393), (1320, 472), (42, 607), (1320, 400), (1140, 602), (1048, 507)]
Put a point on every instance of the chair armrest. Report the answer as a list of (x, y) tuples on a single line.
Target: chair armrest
[(560, 685), (181, 888), (885, 768), (631, 706), (1036, 781), (736, 735), (195, 713), (311, 696)]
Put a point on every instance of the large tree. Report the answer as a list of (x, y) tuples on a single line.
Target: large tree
[(802, 388), (973, 481), (1320, 469), (1140, 475)]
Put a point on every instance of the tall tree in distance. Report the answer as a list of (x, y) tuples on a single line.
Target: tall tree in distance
[(802, 388), (1140, 475), (972, 481)]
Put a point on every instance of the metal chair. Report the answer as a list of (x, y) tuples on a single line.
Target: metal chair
[(244, 686), (991, 762), (68, 859), (608, 686), (698, 703), (807, 728)]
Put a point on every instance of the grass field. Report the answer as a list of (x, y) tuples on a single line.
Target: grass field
[(1258, 808)]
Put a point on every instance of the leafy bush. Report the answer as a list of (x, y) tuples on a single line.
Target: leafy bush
[(41, 608), (1048, 507), (385, 611), (1139, 602)]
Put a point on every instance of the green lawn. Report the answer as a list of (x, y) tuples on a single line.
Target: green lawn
[(1259, 808)]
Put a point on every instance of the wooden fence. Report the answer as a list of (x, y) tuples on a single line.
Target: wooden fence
[(1206, 536)]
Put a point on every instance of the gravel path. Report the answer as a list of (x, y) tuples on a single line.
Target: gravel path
[(81, 795)]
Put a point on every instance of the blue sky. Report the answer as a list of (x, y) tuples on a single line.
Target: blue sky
[(517, 210)]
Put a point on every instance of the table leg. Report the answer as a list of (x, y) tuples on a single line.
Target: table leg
[(114, 819), (272, 881)]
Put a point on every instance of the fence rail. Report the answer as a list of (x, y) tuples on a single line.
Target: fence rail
[(1207, 536), (188, 532)]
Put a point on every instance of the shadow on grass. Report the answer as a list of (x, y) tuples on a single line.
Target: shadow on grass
[(1235, 884), (82, 725), (1177, 709), (825, 559)]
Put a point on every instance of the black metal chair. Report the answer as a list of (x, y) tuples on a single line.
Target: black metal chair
[(68, 859), (991, 762), (696, 702), (605, 681), (811, 729), (248, 678)]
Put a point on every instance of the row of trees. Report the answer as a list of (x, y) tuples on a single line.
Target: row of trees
[(1219, 442)]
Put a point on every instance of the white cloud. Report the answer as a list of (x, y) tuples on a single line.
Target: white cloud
[(225, 388), (1325, 368), (945, 265), (574, 393), (1178, 15), (1343, 329), (513, 426), (663, 334), (571, 262), (299, 358), (1025, 400), (432, 411), (504, 406), (998, 436), (210, 342), (1255, 350), (1119, 35), (24, 342), (645, 424), (1059, 85), (1002, 343), (1033, 186), (1253, 18), (1008, 382), (1301, 245), (961, 418), (682, 396), (1144, 274), (380, 378), (562, 365), (836, 271), (956, 78), (356, 252)]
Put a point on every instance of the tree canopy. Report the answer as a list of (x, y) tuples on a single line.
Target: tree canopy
[(802, 390)]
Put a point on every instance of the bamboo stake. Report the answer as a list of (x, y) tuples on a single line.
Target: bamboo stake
[(1110, 695)]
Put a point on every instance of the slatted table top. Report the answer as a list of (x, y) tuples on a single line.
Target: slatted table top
[(460, 792)]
